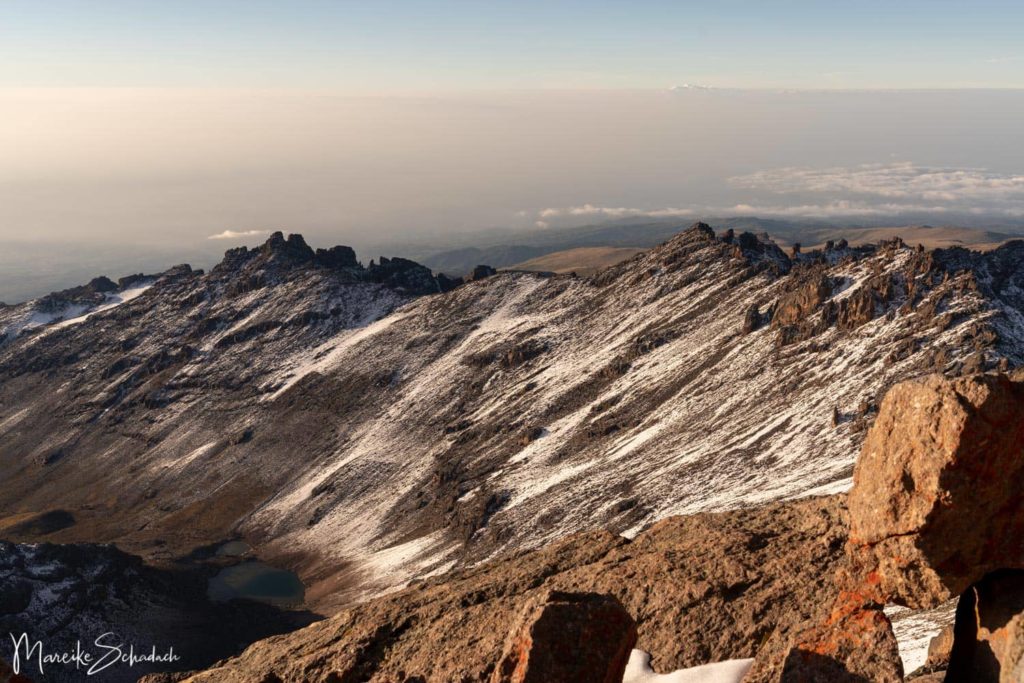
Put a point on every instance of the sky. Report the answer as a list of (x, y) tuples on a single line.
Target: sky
[(190, 126), (402, 45)]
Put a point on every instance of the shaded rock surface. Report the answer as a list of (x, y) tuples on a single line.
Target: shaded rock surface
[(987, 645), (60, 594), (569, 637)]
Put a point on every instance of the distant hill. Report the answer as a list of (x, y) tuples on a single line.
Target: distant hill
[(582, 261), (518, 247), (926, 235)]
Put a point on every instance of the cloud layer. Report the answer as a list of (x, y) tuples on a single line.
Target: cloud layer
[(851, 191), (897, 187)]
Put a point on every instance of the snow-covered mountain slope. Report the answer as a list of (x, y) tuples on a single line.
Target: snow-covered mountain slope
[(368, 437)]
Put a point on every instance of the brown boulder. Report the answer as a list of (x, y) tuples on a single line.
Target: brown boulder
[(850, 644), (938, 651), (568, 637), (936, 502), (936, 505)]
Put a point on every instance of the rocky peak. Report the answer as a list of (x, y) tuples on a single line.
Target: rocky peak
[(702, 229), (277, 259), (291, 250), (337, 257)]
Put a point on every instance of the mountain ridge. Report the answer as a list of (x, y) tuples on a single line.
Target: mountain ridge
[(372, 435)]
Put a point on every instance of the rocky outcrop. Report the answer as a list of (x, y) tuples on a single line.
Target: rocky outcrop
[(481, 272), (568, 637), (707, 587), (936, 511), (936, 502)]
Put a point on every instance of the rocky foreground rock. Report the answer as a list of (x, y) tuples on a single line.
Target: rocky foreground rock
[(700, 588), (935, 512)]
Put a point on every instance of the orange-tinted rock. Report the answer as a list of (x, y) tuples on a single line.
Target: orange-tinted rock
[(851, 644), (568, 637), (935, 507), (937, 499)]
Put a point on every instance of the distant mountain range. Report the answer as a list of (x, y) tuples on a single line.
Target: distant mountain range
[(517, 247)]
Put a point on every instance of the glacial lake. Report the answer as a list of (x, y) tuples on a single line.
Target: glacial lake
[(257, 581)]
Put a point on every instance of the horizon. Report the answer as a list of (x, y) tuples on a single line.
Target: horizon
[(412, 123)]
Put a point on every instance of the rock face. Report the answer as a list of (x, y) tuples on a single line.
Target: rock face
[(937, 502), (568, 637), (851, 644), (936, 509), (707, 587)]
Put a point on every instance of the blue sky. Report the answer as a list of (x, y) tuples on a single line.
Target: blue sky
[(414, 45)]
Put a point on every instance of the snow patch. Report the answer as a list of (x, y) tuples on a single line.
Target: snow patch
[(639, 670), (914, 630)]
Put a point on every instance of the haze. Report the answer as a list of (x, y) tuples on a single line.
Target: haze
[(143, 123)]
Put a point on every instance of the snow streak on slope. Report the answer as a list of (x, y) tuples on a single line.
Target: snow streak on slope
[(565, 404), (339, 422)]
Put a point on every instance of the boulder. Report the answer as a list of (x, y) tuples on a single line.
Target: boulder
[(936, 508), (481, 272), (938, 651), (936, 502), (570, 638), (852, 643)]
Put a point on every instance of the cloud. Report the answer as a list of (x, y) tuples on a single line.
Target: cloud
[(235, 234), (895, 188), (611, 211), (542, 224), (888, 189), (689, 86)]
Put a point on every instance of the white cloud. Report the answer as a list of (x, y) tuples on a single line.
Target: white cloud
[(542, 224), (235, 234), (689, 86), (888, 189), (896, 187), (611, 211)]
